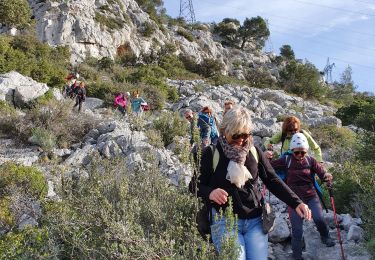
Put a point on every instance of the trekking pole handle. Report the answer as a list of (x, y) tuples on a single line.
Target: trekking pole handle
[(330, 189)]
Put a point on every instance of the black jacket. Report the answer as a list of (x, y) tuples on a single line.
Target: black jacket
[(208, 181)]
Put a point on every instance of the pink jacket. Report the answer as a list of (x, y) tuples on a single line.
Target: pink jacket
[(120, 100)]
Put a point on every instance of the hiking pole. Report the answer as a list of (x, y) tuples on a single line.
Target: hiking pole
[(330, 191)]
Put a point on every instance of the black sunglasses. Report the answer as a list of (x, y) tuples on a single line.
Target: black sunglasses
[(299, 152), (243, 136), (292, 130)]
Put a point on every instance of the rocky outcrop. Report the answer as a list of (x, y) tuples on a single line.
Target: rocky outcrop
[(268, 106), (104, 28), (19, 90)]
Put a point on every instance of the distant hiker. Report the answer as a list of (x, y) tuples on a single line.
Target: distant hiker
[(71, 85), (291, 125), (236, 173), (299, 166), (189, 116), (121, 102), (80, 95), (136, 104), (207, 127), (228, 104)]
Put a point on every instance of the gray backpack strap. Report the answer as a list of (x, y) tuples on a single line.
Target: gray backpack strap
[(215, 157), (254, 152), (308, 161), (288, 161)]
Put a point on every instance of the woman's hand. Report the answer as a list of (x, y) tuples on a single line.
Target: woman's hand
[(268, 154), (328, 178), (303, 211), (219, 196)]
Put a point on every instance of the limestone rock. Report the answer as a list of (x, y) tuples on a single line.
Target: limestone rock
[(19, 90)]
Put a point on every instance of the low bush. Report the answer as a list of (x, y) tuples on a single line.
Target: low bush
[(186, 34), (8, 118), (27, 55), (54, 121), (210, 67), (112, 23), (43, 138), (123, 215), (148, 29), (170, 125), (354, 184)]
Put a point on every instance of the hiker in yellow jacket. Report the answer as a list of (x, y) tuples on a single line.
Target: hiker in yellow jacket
[(291, 125)]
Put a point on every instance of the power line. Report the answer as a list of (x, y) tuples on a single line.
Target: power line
[(325, 38), (334, 8), (296, 19), (313, 40)]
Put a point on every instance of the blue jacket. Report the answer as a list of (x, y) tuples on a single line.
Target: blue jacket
[(207, 126), (136, 104)]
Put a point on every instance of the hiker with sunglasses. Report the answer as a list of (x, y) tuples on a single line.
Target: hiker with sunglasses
[(291, 125), (236, 177), (299, 166), (207, 127)]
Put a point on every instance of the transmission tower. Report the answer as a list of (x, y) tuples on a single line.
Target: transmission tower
[(328, 71), (269, 44), (187, 11)]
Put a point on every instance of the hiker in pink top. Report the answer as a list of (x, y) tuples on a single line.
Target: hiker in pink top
[(121, 101)]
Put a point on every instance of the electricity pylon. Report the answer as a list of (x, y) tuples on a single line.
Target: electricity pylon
[(187, 11)]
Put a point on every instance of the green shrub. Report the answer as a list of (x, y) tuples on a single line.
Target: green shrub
[(112, 23), (106, 63), (303, 80), (127, 215), (15, 13), (210, 67), (154, 138), (366, 148), (148, 29), (287, 52), (354, 184), (361, 113), (340, 141), (30, 179), (175, 67), (30, 243), (371, 246), (186, 34), (182, 149), (8, 117), (259, 78), (54, 117), (170, 125), (27, 55), (44, 138)]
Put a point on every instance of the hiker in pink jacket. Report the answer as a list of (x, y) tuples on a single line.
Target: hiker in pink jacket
[(121, 101)]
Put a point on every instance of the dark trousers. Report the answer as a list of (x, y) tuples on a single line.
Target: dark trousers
[(121, 109), (297, 225), (79, 102)]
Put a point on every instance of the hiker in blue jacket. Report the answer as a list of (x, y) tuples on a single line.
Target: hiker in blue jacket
[(207, 127), (136, 103)]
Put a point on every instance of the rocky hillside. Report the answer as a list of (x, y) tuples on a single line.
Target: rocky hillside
[(116, 137), (104, 28)]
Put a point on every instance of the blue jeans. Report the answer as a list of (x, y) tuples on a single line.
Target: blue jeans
[(297, 225), (251, 239)]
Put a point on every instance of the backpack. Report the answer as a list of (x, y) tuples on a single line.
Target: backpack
[(288, 161), (280, 172), (204, 217)]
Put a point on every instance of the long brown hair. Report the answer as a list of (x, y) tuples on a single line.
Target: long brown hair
[(289, 123)]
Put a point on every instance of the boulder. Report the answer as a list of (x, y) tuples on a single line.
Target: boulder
[(20, 90)]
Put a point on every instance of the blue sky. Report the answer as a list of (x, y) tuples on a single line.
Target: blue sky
[(342, 30)]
